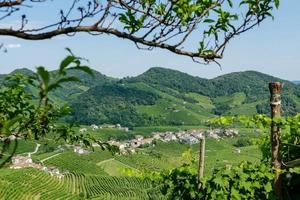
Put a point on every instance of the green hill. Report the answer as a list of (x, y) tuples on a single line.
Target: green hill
[(296, 82), (163, 96)]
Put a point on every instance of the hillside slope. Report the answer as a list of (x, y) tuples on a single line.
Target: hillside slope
[(163, 96)]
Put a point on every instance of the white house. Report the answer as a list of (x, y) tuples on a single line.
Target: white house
[(139, 137), (188, 139), (169, 137), (94, 127), (82, 130), (80, 150)]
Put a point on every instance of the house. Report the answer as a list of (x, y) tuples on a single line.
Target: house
[(53, 171), (213, 134), (82, 130), (80, 150), (2, 137), (147, 141), (135, 143), (156, 135), (19, 162), (94, 127), (189, 139), (95, 145), (12, 137), (197, 133), (139, 137), (169, 136), (123, 146), (179, 134)]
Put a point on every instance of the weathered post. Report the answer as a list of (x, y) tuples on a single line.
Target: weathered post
[(275, 103), (201, 161)]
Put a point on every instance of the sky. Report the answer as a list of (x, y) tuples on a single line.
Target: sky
[(272, 48)]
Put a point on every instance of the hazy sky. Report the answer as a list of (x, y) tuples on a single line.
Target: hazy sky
[(272, 48)]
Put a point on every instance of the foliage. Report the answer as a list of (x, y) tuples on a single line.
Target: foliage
[(22, 117), (16, 108), (289, 144), (165, 97), (242, 142), (246, 181)]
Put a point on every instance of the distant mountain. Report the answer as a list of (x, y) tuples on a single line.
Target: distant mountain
[(70, 91), (296, 82), (163, 96)]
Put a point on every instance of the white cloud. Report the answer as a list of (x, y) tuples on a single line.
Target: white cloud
[(13, 46)]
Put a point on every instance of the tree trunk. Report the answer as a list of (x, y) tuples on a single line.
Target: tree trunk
[(201, 161), (275, 103)]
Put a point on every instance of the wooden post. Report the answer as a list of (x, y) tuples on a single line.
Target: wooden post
[(201, 161), (275, 103)]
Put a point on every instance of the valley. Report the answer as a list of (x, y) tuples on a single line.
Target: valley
[(153, 120)]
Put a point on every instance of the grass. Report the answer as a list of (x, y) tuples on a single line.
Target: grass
[(233, 100), (114, 167), (172, 109), (203, 101)]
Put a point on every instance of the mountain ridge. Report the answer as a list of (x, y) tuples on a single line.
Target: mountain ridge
[(162, 96)]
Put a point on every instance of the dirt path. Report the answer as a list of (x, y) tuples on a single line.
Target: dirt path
[(104, 161), (35, 150), (50, 157), (112, 159)]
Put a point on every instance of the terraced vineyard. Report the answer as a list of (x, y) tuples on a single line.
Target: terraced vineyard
[(36, 184), (105, 187), (87, 164), (32, 184)]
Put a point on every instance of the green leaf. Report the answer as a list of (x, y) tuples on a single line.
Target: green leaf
[(209, 21), (277, 3), (44, 75), (65, 63), (85, 69)]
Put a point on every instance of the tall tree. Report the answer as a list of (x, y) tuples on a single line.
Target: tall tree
[(166, 24)]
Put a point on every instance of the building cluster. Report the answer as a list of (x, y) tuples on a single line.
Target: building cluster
[(219, 133), (79, 150), (95, 127), (19, 162), (187, 137), (10, 138)]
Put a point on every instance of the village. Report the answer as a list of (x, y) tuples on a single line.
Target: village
[(126, 147), (189, 137)]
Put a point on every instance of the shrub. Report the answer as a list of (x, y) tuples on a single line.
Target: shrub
[(242, 142)]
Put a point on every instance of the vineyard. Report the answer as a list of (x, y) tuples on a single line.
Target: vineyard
[(69, 161), (105, 187), (34, 184), (40, 185)]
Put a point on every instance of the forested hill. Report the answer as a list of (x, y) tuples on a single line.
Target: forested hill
[(163, 96), (296, 82)]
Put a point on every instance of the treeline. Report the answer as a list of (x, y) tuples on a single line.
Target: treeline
[(113, 103), (101, 99)]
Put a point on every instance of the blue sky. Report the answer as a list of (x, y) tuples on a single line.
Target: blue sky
[(272, 48)]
